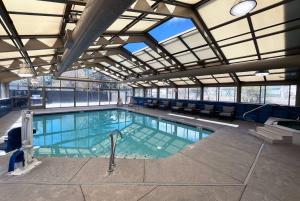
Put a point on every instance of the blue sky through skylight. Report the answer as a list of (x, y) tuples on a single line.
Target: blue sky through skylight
[(171, 28), (134, 47)]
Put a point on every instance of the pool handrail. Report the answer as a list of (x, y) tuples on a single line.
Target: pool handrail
[(262, 106), (113, 144)]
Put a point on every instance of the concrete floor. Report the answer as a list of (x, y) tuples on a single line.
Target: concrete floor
[(229, 165)]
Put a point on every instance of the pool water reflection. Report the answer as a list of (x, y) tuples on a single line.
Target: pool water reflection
[(85, 134)]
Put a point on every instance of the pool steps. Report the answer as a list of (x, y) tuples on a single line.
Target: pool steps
[(272, 134)]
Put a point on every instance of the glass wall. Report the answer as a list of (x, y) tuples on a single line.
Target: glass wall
[(251, 94), (277, 94), (183, 93), (93, 94), (151, 93), (194, 93), (52, 97), (67, 97), (210, 93), (67, 93), (113, 97), (227, 94), (223, 94), (139, 92), (168, 93), (104, 97)]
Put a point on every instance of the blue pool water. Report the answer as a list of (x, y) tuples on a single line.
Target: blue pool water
[(85, 134)]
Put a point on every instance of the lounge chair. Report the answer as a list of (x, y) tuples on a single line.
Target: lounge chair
[(191, 107), (147, 103), (208, 110), (164, 105), (227, 112), (178, 107), (153, 104)]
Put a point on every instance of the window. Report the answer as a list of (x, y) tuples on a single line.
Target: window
[(171, 28), (139, 92), (168, 93), (18, 88), (135, 47), (171, 93), (293, 95), (227, 94), (251, 94), (194, 93), (183, 93), (210, 94), (277, 94), (163, 93), (151, 93)]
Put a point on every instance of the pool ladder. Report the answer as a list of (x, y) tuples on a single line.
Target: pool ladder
[(113, 144)]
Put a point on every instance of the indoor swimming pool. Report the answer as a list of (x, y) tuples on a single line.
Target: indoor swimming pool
[(85, 134)]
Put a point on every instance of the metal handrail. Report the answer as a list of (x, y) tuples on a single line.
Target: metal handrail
[(113, 144), (262, 106)]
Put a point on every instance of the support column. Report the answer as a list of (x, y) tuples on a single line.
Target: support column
[(176, 93), (145, 91), (158, 92), (202, 93), (298, 95), (238, 93)]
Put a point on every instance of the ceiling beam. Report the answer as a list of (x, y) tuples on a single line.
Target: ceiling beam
[(278, 63), (14, 36)]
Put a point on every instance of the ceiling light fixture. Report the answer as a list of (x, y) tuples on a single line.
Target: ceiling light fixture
[(25, 71), (262, 73), (242, 7)]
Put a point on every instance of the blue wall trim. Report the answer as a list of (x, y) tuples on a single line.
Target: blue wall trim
[(259, 116)]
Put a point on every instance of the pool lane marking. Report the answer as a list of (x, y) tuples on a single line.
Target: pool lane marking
[(205, 120)]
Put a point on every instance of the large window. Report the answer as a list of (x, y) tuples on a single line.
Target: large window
[(139, 92), (168, 93), (251, 94), (210, 93), (183, 93), (94, 93), (194, 93), (277, 94), (151, 92), (227, 94)]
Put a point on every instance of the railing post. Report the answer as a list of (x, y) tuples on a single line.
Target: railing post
[(113, 149), (111, 158)]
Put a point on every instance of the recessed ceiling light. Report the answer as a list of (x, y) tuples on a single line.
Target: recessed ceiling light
[(242, 7)]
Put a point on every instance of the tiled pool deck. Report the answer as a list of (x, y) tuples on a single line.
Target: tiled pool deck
[(229, 165)]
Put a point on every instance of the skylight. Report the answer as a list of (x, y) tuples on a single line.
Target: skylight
[(171, 28), (135, 47)]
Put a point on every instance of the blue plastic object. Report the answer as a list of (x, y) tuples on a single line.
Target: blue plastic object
[(17, 156), (14, 140)]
